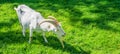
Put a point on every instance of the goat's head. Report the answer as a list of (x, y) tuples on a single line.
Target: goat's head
[(59, 30)]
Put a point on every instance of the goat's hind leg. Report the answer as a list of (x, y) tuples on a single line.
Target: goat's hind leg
[(23, 30)]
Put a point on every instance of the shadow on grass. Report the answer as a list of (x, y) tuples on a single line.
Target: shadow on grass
[(108, 10), (55, 44), (14, 37), (8, 24)]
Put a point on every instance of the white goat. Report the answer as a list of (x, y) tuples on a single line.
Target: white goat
[(34, 21)]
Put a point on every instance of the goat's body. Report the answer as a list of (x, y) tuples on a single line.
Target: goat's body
[(27, 15), (31, 18), (28, 18)]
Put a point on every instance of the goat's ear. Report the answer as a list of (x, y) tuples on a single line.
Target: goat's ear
[(15, 8)]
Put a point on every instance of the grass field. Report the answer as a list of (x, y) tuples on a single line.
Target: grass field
[(91, 26)]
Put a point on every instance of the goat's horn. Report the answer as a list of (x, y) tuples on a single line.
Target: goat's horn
[(53, 18), (50, 21)]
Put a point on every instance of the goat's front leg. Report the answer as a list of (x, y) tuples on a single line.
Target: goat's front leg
[(45, 39), (61, 41), (31, 32)]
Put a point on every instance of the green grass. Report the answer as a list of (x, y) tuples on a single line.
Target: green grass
[(91, 26)]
